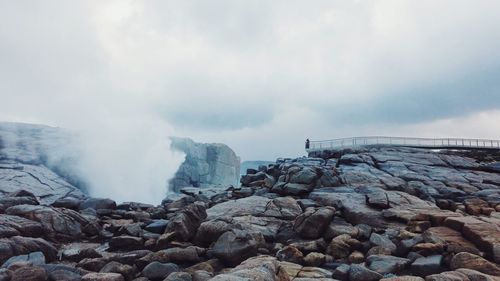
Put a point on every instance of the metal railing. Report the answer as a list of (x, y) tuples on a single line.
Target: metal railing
[(457, 143)]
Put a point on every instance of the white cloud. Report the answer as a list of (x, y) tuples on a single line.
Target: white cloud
[(260, 75)]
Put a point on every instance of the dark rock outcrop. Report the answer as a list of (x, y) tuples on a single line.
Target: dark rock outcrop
[(184, 224), (234, 246), (313, 222)]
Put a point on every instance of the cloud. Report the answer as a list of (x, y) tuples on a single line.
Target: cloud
[(260, 75), (444, 97)]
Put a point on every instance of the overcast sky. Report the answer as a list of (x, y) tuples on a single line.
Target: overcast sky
[(260, 76)]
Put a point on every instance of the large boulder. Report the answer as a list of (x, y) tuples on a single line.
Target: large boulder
[(293, 189), (313, 222), (14, 225), (462, 274), (301, 273), (157, 226), (97, 203), (427, 265), (235, 246), (340, 247), (34, 258), (30, 273), (485, 235), (176, 255), (209, 231), (58, 224), (382, 241), (184, 224), (303, 175), (290, 254), (474, 262), (18, 245), (126, 242), (361, 273), (18, 197), (454, 241), (353, 206), (159, 271), (263, 268), (125, 270), (384, 264)]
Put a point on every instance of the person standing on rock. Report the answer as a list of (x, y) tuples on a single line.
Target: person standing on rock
[(307, 143)]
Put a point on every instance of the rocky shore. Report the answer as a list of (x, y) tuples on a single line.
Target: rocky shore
[(370, 214)]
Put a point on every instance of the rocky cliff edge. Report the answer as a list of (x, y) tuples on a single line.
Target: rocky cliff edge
[(388, 214)]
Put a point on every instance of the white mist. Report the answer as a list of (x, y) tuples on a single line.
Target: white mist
[(128, 158)]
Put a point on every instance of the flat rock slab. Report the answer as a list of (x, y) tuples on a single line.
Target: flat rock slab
[(485, 235), (39, 180), (284, 207)]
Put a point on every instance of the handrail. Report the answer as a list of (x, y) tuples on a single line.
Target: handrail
[(458, 143)]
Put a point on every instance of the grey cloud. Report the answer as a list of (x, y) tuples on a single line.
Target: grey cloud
[(456, 96), (225, 68), (205, 103), (216, 118)]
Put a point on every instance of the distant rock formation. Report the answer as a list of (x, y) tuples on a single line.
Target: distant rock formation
[(245, 165), (38, 159), (206, 164)]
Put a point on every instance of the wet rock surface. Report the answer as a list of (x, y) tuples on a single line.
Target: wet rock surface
[(371, 214), (25, 163)]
